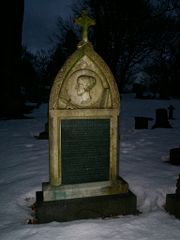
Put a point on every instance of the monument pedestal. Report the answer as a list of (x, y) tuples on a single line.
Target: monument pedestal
[(89, 189), (83, 201), (85, 208)]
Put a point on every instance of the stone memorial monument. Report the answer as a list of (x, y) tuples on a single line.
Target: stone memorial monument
[(84, 141)]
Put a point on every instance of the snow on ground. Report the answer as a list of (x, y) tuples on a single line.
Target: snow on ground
[(143, 164)]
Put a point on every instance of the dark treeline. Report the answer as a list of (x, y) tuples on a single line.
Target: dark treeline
[(11, 102), (133, 37), (20, 81)]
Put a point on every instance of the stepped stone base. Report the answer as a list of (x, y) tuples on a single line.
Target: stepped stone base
[(85, 208), (173, 205)]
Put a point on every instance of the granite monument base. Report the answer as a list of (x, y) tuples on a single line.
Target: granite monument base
[(85, 208), (173, 205)]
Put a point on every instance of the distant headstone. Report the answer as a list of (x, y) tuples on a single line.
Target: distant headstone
[(173, 201), (44, 134), (175, 156), (161, 120), (170, 113), (83, 141), (139, 90), (142, 122)]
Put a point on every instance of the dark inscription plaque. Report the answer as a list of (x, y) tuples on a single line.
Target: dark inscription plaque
[(85, 150)]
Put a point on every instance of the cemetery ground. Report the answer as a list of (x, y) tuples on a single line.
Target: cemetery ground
[(144, 155)]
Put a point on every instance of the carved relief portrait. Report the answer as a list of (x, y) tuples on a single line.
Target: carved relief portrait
[(82, 89), (84, 86)]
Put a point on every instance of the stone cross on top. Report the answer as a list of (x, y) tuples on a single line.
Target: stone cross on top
[(85, 22)]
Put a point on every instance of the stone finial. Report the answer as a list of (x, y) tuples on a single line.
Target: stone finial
[(85, 22)]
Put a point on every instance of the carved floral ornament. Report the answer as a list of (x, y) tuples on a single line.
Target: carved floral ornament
[(85, 81)]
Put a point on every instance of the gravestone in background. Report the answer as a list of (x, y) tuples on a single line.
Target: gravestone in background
[(142, 122), (173, 201), (175, 156), (83, 141), (161, 120), (44, 134), (171, 111)]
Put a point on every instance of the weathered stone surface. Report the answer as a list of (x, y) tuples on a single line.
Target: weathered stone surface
[(84, 111), (71, 191), (85, 89), (85, 81)]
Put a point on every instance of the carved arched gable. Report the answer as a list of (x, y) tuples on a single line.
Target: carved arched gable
[(84, 82)]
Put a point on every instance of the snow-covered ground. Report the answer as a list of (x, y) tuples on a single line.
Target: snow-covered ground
[(143, 164)]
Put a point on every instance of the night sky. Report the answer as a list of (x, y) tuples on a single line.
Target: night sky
[(40, 18)]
